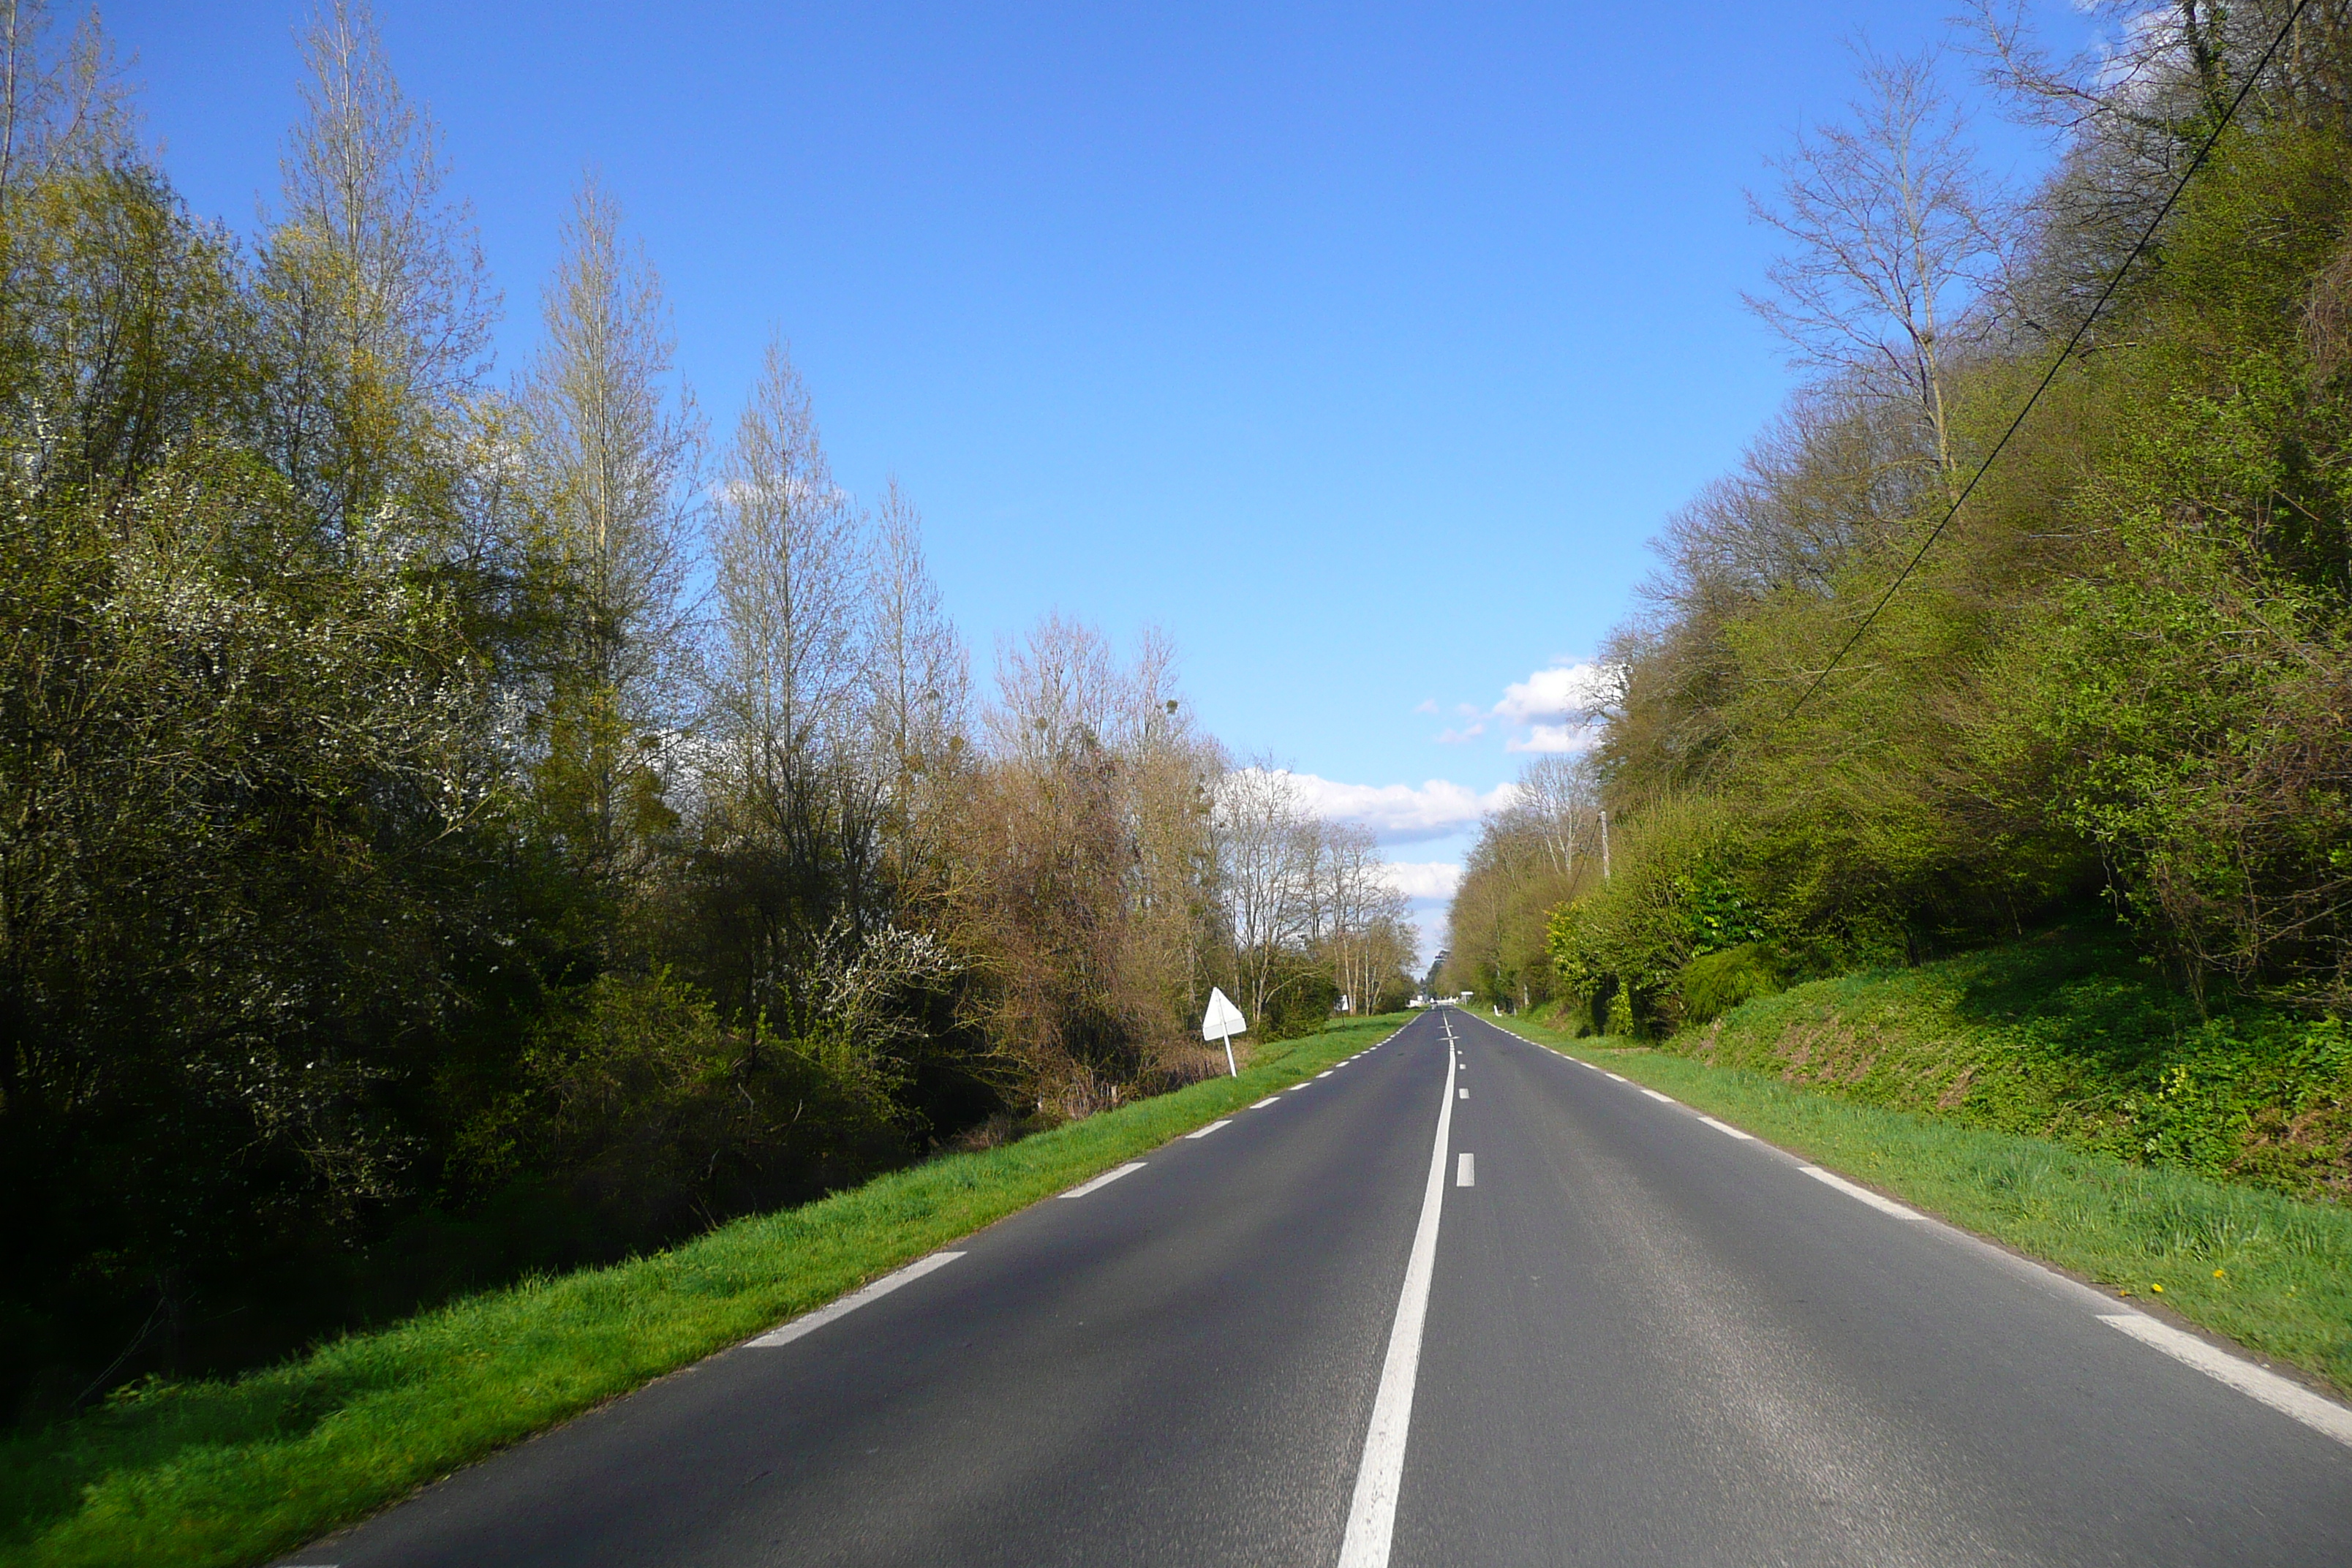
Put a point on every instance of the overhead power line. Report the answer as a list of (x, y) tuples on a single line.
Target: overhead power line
[(2064, 356)]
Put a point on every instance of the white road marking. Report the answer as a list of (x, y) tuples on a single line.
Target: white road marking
[(1864, 1194), (1106, 1179), (1654, 1094), (2320, 1414), (1325, 1073), (1613, 1075), (1728, 1131), (1211, 1127), (1466, 1174), (1299, 1087), (812, 1321), (1262, 1104), (1464, 1093), (1371, 1513)]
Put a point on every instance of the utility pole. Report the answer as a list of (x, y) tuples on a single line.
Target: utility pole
[(1604, 846)]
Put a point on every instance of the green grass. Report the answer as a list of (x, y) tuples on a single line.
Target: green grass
[(2071, 1035), (2267, 1270), (235, 1472)]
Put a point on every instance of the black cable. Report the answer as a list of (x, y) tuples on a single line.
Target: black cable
[(2064, 356)]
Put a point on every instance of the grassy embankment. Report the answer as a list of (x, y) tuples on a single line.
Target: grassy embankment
[(233, 1472), (2002, 1092)]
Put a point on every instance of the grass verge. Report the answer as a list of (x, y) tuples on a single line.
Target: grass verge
[(2268, 1272), (234, 1472)]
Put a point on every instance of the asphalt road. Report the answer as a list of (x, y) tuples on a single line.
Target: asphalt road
[(1642, 1340)]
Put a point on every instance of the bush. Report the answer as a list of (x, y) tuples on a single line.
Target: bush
[(1714, 983)]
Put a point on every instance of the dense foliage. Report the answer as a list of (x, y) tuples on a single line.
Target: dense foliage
[(451, 826), (2124, 670)]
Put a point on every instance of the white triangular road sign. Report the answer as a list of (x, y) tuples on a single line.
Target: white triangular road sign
[(1222, 1017)]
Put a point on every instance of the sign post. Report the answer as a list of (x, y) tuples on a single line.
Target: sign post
[(1222, 1022)]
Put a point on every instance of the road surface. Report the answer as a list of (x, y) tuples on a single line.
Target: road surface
[(1460, 1302)]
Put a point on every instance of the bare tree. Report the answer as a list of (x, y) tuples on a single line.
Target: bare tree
[(1897, 234), (377, 302), (54, 103), (791, 570), (1267, 846), (616, 454), (1562, 804), (918, 672)]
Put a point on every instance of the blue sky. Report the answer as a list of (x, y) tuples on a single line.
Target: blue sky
[(1360, 347)]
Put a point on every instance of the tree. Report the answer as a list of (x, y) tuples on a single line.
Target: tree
[(615, 456), (1897, 236), (375, 304)]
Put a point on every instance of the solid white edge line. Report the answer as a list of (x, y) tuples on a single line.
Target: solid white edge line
[(1465, 1171), (1728, 1131), (1106, 1179), (1371, 1513), (1654, 1094), (1211, 1127), (1262, 1104), (2322, 1416), (810, 1322), (1887, 1204)]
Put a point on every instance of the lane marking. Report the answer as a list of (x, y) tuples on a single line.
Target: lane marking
[(1211, 1127), (1262, 1104), (1325, 1073), (1728, 1131), (1654, 1094), (1464, 1093), (812, 1321), (1106, 1179), (2323, 1415), (1885, 1203), (1613, 1075), (1465, 1175), (1371, 1513), (1299, 1088)]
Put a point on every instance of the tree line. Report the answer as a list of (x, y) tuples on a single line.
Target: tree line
[(453, 825), (1849, 725)]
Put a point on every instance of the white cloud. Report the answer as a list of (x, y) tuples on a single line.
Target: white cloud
[(1428, 706), (1425, 878), (1561, 692), (1554, 738), (1459, 737), (1401, 812)]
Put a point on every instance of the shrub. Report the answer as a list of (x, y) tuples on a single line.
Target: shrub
[(1714, 983)]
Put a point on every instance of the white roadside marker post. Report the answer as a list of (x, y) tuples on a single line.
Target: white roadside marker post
[(1222, 1022)]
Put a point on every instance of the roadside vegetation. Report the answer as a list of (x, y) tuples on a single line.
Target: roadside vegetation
[(2268, 1271), (2049, 755), (461, 822), (233, 1471)]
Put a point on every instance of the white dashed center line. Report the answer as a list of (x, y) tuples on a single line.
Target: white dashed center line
[(1466, 1172)]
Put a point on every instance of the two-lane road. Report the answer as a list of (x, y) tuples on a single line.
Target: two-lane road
[(1641, 1338)]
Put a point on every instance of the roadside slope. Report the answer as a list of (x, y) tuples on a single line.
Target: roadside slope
[(2070, 1034)]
